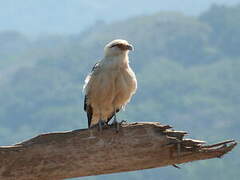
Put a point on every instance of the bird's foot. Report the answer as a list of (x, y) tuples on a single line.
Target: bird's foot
[(116, 125)]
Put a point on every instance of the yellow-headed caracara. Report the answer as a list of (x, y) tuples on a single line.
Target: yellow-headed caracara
[(110, 85)]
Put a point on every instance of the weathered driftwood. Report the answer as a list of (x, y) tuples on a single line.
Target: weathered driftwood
[(73, 154)]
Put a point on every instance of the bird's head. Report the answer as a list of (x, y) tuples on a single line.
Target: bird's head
[(117, 47)]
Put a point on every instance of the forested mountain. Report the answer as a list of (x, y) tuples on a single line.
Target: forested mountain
[(188, 69)]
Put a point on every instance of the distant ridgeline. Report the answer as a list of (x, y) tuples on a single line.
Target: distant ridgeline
[(188, 70)]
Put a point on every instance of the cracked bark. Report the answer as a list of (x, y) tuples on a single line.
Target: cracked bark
[(75, 154)]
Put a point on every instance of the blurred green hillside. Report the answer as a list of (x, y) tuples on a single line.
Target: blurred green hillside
[(188, 71)]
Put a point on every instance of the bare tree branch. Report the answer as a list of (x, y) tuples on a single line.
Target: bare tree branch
[(74, 154)]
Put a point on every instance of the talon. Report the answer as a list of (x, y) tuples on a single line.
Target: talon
[(116, 125)]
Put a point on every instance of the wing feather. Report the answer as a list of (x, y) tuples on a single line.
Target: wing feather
[(89, 111), (110, 117), (87, 106)]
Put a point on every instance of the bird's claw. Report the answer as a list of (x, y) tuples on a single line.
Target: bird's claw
[(116, 125)]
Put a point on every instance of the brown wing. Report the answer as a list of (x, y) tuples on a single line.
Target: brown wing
[(87, 107), (110, 117), (89, 111)]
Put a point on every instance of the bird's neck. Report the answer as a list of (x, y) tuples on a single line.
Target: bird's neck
[(119, 61)]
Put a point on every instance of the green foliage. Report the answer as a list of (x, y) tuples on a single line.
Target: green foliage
[(225, 24), (188, 72)]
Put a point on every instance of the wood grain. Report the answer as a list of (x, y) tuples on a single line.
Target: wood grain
[(79, 153)]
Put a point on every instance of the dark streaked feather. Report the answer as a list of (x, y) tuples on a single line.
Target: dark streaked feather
[(110, 117), (89, 110), (95, 66), (87, 107)]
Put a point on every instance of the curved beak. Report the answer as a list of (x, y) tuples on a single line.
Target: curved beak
[(130, 47)]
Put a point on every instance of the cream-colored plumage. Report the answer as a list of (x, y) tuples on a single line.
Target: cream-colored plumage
[(111, 84)]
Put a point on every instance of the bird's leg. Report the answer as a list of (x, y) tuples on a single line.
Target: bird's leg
[(100, 125), (115, 121)]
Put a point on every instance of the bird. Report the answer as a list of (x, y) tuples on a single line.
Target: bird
[(110, 85)]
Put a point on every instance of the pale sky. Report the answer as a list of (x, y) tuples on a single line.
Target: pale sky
[(34, 17)]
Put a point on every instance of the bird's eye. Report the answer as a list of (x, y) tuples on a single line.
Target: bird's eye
[(114, 45)]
